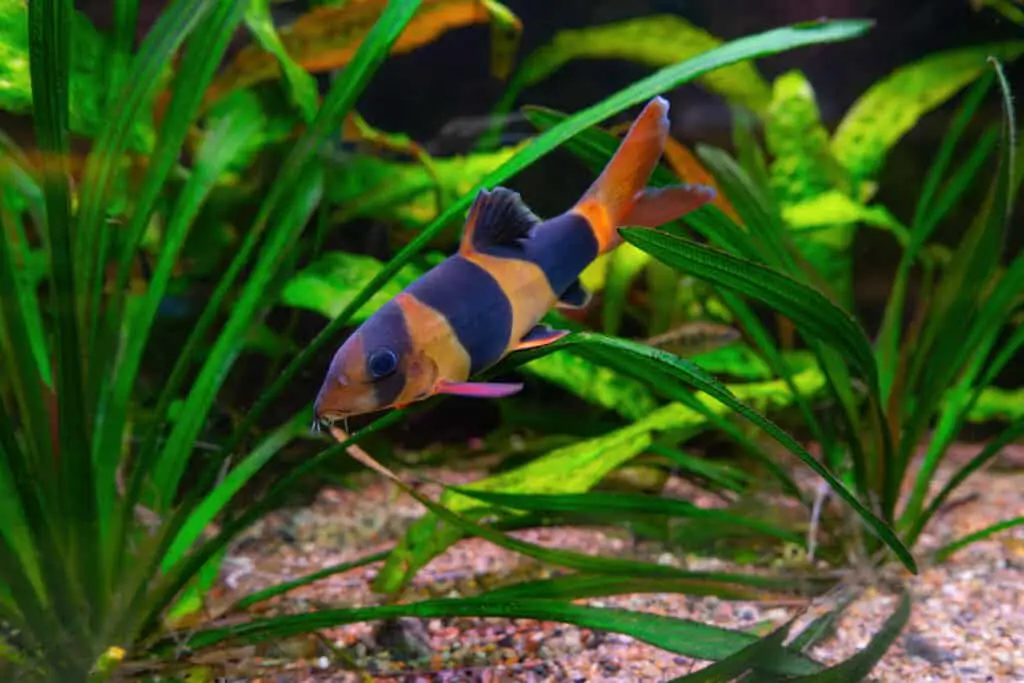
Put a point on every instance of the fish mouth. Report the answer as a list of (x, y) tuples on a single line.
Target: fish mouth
[(327, 420)]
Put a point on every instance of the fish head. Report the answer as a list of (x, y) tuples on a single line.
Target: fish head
[(376, 368)]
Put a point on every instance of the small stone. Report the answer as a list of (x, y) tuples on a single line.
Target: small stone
[(919, 646)]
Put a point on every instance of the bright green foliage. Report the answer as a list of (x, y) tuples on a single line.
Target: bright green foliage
[(891, 107), (328, 284), (408, 192), (995, 404), (595, 383), (300, 85), (90, 52)]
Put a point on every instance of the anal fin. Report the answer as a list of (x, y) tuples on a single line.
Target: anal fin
[(576, 296), (541, 335)]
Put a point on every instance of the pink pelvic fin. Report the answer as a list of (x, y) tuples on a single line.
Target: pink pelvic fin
[(477, 389)]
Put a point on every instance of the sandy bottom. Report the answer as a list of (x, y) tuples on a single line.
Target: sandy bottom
[(967, 621)]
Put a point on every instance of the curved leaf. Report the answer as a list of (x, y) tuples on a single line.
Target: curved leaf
[(300, 85), (328, 284), (656, 40), (327, 38), (810, 310), (802, 166), (682, 371), (892, 106), (668, 633)]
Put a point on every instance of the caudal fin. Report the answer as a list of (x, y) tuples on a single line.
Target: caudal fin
[(618, 196)]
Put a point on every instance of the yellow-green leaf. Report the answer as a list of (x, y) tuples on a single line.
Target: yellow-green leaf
[(802, 166), (595, 383), (892, 106), (834, 207), (656, 40), (90, 54), (300, 85), (328, 285)]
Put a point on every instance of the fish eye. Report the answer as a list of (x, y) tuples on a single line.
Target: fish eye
[(382, 363)]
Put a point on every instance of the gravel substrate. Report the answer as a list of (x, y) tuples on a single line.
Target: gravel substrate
[(967, 621)]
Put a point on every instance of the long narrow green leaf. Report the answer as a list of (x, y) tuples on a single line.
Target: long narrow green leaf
[(220, 147), (806, 307), (945, 551), (770, 42), (601, 503), (763, 653), (692, 375), (581, 586), (204, 51), (1008, 436), (295, 177), (857, 667), (49, 41), (668, 633), (93, 241)]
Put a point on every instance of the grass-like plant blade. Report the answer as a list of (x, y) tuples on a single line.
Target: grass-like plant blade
[(810, 310), (602, 503), (769, 42), (285, 195), (939, 353), (762, 653), (49, 43), (93, 240), (945, 551), (336, 104), (668, 633), (1010, 435), (857, 667), (692, 375), (580, 586), (220, 147), (286, 586)]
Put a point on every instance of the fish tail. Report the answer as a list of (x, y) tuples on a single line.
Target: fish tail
[(618, 197)]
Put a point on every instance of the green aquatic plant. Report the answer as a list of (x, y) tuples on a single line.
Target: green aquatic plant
[(884, 395), (105, 552), (823, 181)]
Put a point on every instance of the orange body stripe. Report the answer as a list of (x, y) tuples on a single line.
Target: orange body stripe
[(434, 341), (525, 286)]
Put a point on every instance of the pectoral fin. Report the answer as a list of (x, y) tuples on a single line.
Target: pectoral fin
[(477, 389), (540, 335)]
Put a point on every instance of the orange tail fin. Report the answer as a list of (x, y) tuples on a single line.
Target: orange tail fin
[(618, 196)]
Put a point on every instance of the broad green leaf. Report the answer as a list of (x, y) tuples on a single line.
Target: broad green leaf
[(814, 314), (407, 192), (595, 383), (893, 105), (993, 403), (836, 208), (802, 166), (683, 372), (656, 40), (90, 51), (328, 284), (301, 87)]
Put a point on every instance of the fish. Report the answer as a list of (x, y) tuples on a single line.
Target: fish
[(486, 300)]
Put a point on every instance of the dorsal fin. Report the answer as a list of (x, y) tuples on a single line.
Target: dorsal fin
[(497, 218)]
